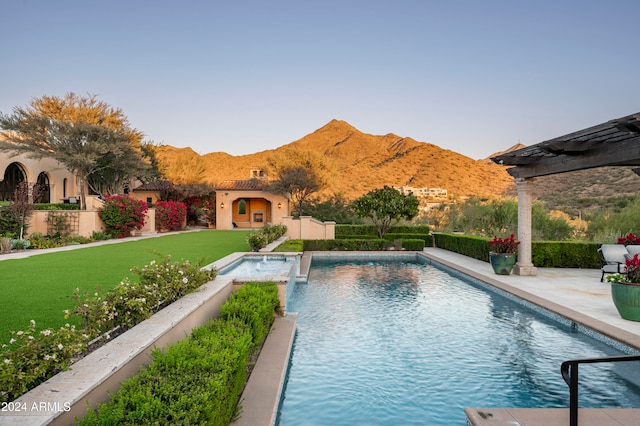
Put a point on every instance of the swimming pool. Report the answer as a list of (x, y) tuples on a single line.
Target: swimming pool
[(404, 342)]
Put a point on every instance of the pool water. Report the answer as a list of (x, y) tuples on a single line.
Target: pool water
[(389, 343), (259, 266)]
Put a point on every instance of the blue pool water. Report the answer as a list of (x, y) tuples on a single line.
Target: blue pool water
[(260, 266), (400, 343)]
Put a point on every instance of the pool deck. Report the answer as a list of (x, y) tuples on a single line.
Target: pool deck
[(576, 294)]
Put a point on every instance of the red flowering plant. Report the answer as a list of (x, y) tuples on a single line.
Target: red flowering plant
[(122, 214), (504, 245), (170, 215), (629, 239), (632, 272)]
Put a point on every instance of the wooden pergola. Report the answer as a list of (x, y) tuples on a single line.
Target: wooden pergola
[(614, 143)]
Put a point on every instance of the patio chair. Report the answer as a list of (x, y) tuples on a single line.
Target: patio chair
[(633, 249), (612, 258)]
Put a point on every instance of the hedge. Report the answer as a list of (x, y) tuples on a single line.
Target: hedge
[(360, 244), (544, 254), (198, 380), (345, 231)]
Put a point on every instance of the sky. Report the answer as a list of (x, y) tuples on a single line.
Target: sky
[(474, 77)]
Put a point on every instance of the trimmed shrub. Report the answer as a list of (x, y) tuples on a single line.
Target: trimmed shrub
[(349, 231), (198, 380), (352, 244), (254, 305), (544, 254)]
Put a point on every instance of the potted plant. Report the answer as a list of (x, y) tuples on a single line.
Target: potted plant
[(629, 239), (625, 289), (503, 254)]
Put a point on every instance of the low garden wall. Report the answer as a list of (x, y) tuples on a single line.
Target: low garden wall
[(61, 399), (308, 228)]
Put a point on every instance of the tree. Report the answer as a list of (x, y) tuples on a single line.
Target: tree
[(300, 174), (23, 204), (299, 181), (87, 136), (385, 207)]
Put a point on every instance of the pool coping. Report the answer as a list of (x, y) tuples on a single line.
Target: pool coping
[(261, 396)]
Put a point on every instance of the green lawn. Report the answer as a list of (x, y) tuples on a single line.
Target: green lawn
[(41, 287)]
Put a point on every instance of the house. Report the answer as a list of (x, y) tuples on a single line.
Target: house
[(247, 203), (58, 184)]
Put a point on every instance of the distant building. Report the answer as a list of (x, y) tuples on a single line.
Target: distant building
[(433, 193)]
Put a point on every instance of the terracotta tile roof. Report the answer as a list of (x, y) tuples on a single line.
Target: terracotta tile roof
[(242, 185), (159, 185)]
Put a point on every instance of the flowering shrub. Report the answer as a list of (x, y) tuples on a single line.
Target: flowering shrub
[(129, 302), (122, 214), (30, 358), (629, 239), (504, 245), (170, 215)]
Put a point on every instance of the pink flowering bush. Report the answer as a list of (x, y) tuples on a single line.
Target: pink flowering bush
[(122, 215), (170, 215)]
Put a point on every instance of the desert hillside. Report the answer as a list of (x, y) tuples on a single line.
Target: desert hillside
[(356, 162)]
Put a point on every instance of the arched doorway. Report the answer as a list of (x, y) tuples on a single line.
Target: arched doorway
[(13, 176), (45, 190)]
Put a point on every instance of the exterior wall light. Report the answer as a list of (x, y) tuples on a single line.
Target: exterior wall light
[(279, 205), (222, 205)]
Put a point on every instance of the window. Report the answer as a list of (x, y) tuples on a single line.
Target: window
[(43, 183), (242, 207)]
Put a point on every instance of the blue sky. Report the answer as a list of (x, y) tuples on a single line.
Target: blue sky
[(240, 76)]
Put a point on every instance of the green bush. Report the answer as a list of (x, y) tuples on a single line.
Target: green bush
[(544, 254), (562, 254), (348, 231), (254, 305), (9, 225), (56, 206), (291, 246), (265, 235), (391, 236), (198, 380), (472, 246)]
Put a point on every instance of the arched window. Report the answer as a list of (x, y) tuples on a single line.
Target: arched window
[(242, 207), (45, 189), (13, 176)]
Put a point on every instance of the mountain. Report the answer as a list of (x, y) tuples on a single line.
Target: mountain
[(357, 162)]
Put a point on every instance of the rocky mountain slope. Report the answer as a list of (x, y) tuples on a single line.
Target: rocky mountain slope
[(356, 163)]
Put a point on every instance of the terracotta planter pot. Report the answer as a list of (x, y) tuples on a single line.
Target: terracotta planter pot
[(626, 297), (502, 263)]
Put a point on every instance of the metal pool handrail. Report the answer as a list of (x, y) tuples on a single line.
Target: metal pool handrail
[(569, 370)]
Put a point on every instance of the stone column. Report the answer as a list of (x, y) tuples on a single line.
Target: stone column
[(524, 265)]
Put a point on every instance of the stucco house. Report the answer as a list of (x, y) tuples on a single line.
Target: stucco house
[(247, 204), (59, 185)]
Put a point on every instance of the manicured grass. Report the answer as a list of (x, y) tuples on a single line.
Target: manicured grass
[(41, 287)]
